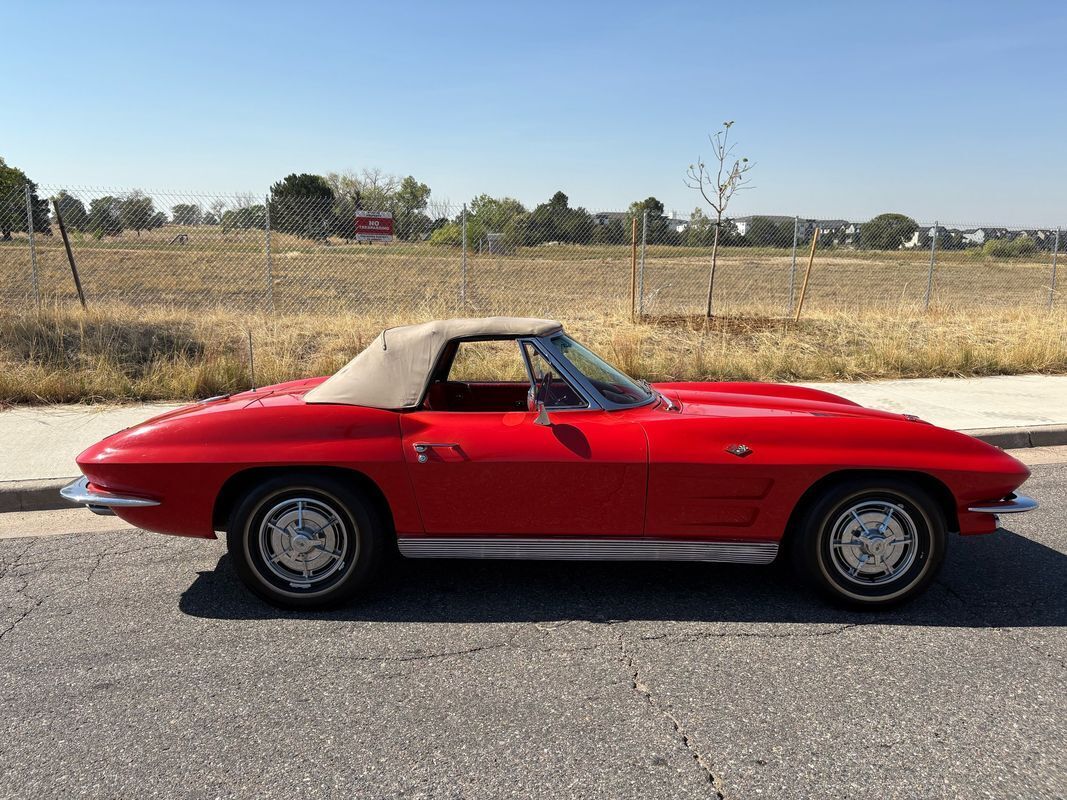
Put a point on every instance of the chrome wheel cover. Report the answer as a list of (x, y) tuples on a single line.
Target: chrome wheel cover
[(305, 542), (873, 542)]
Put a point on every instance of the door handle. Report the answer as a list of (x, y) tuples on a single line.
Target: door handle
[(423, 447)]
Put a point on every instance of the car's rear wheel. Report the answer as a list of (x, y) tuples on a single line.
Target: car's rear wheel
[(871, 543), (305, 541)]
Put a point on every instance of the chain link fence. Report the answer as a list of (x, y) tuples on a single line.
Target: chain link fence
[(304, 254)]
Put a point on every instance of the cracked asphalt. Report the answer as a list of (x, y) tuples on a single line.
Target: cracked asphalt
[(133, 664)]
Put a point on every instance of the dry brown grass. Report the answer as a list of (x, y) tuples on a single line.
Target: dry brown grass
[(124, 353), (215, 269)]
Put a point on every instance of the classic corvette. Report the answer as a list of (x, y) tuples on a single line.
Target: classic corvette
[(422, 444)]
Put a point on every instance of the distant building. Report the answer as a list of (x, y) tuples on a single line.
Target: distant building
[(744, 223), (607, 217)]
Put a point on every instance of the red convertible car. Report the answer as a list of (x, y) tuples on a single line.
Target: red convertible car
[(418, 444)]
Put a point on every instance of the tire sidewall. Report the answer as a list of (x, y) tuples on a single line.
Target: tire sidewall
[(363, 532), (814, 543)]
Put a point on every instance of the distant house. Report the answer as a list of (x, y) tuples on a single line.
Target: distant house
[(921, 238), (607, 217), (744, 223), (676, 223)]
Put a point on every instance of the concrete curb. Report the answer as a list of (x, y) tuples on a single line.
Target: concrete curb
[(43, 495), (33, 495), (1015, 438)]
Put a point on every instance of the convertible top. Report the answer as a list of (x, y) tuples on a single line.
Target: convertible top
[(393, 370)]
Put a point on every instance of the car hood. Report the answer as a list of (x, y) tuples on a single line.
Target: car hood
[(764, 399)]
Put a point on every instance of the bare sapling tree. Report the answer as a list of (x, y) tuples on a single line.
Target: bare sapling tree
[(718, 183)]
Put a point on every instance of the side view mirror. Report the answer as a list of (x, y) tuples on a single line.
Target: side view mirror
[(539, 394), (542, 417)]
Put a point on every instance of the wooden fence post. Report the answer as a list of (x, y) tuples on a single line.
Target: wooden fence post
[(70, 255), (807, 275)]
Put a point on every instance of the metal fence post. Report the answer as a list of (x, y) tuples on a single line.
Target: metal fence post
[(463, 260), (793, 265), (266, 237), (1052, 283), (641, 268), (933, 259), (33, 247)]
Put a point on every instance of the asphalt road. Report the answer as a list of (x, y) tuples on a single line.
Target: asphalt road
[(134, 665)]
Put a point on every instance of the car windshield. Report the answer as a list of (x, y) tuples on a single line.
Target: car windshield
[(615, 386)]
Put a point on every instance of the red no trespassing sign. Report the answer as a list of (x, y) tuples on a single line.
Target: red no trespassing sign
[(374, 226)]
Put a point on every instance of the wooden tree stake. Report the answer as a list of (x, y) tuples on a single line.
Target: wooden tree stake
[(633, 268), (807, 274), (70, 254)]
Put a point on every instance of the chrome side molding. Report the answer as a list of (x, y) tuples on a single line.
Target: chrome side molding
[(586, 549), (1012, 504), (80, 493)]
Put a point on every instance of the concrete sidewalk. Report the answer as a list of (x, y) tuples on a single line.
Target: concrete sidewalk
[(1005, 410), (41, 442)]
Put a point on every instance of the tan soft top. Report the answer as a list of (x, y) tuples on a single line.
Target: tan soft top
[(392, 372)]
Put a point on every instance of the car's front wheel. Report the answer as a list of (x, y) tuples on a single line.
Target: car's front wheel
[(871, 543), (305, 541)]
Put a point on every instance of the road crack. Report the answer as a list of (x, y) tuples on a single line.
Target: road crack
[(642, 690), (695, 637), (35, 603)]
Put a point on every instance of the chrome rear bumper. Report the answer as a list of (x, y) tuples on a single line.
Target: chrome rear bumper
[(101, 502), (1012, 504)]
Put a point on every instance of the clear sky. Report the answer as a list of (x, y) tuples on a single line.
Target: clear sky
[(949, 111)]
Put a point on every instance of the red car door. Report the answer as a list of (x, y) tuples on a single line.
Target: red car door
[(498, 473)]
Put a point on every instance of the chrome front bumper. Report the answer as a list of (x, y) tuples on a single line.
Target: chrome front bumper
[(1012, 504), (101, 502)]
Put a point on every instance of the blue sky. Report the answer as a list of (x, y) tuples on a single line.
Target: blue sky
[(954, 111)]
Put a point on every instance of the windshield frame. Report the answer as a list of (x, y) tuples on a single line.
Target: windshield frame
[(587, 386)]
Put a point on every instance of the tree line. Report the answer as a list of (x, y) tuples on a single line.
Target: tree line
[(318, 207)]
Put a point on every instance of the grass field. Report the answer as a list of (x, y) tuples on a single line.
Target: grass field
[(170, 321), (214, 270), (127, 353)]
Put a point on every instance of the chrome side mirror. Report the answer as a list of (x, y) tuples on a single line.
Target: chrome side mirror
[(538, 394), (542, 417)]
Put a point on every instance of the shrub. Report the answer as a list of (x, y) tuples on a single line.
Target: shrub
[(1010, 248), (450, 235)]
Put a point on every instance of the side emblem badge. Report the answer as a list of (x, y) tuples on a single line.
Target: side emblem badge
[(739, 450)]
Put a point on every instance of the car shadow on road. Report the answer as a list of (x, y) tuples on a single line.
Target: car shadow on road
[(1003, 580)]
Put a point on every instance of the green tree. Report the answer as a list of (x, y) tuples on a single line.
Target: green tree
[(409, 202), (104, 217), (650, 204), (13, 184), (609, 232), (303, 206), (660, 229), (701, 230), (494, 214), (158, 220), (887, 232), (554, 221), (187, 214), (252, 216), (136, 210), (75, 217), (766, 232)]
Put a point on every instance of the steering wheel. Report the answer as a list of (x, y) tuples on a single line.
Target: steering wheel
[(540, 390)]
